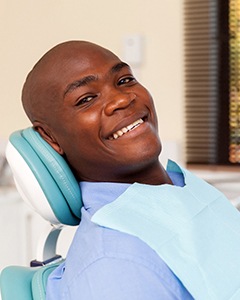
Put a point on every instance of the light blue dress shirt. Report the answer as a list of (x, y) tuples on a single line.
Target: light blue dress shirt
[(104, 264)]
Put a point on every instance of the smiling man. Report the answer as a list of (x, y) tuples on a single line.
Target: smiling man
[(145, 233), (86, 103)]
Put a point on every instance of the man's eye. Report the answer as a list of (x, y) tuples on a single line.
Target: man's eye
[(126, 80), (85, 100)]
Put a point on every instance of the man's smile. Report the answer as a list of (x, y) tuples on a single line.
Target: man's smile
[(126, 129)]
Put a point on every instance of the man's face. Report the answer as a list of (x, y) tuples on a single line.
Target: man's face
[(104, 120)]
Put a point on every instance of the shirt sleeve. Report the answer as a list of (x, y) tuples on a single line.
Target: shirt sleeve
[(110, 278)]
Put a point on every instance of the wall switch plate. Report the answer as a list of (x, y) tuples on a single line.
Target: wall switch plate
[(133, 49)]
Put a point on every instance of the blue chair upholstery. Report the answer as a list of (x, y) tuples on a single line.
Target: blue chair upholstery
[(25, 283), (28, 153), (16, 283)]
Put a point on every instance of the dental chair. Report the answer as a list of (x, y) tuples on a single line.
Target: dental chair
[(45, 181)]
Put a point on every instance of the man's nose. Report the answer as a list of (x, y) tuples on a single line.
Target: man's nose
[(119, 100)]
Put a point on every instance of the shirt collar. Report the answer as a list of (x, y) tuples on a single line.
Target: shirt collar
[(97, 194)]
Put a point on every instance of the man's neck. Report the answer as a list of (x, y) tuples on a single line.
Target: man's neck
[(154, 174), (151, 173)]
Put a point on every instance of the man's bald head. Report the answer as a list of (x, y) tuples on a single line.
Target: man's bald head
[(41, 90), (79, 96)]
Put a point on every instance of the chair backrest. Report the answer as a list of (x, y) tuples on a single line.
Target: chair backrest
[(47, 184), (25, 283)]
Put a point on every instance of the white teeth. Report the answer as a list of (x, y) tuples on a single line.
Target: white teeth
[(126, 129)]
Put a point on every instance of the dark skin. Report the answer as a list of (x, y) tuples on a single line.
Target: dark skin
[(86, 103)]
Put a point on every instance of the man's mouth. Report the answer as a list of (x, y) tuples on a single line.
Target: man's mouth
[(126, 129)]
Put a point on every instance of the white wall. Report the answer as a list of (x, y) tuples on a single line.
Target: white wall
[(29, 28)]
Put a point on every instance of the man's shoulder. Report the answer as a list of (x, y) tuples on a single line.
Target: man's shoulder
[(93, 242)]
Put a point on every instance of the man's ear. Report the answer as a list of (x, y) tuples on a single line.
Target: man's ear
[(48, 137)]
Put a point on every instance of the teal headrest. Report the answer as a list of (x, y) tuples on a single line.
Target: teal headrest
[(41, 174)]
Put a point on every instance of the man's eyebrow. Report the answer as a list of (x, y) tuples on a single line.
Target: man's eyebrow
[(85, 80), (78, 83), (118, 67)]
